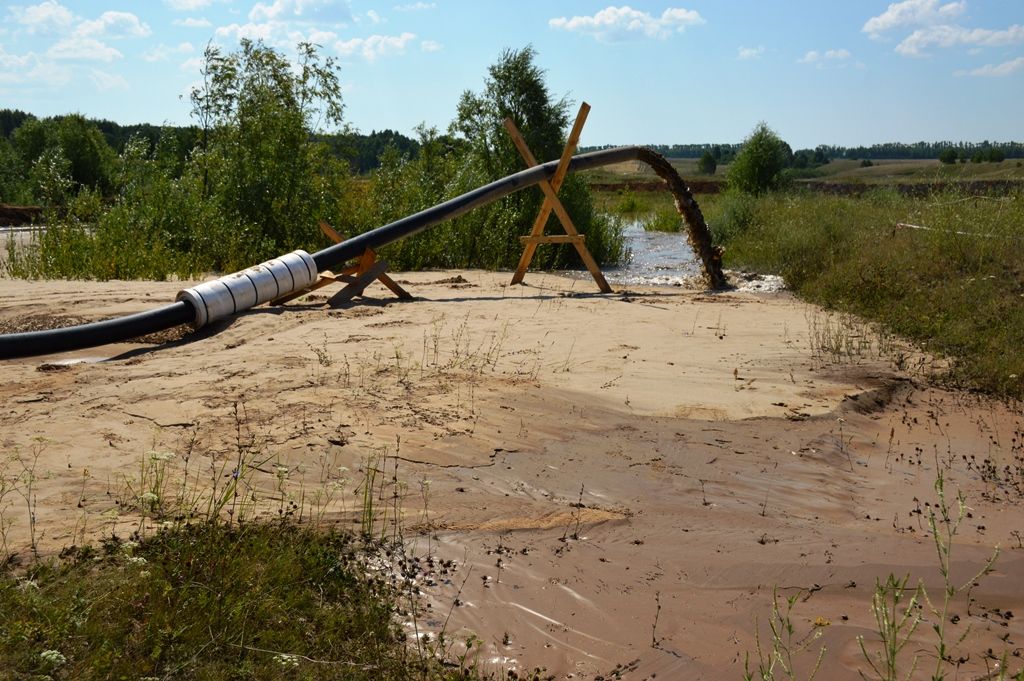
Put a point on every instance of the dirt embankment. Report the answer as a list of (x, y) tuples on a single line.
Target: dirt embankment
[(916, 189), (19, 216)]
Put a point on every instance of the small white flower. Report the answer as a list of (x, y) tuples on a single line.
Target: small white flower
[(129, 546), (53, 657), (282, 471), (161, 456), (286, 660), (150, 498), (136, 560)]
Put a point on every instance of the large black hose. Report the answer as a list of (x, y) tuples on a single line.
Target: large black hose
[(182, 312)]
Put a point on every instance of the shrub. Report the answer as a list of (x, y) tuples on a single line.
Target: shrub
[(759, 165)]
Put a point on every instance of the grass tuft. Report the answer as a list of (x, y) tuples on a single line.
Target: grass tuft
[(209, 601), (955, 287)]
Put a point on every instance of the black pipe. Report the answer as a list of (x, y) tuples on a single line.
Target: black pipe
[(123, 328), (453, 208)]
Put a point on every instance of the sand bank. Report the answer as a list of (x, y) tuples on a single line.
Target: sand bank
[(621, 480)]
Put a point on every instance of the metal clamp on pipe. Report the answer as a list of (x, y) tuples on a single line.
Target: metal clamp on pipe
[(213, 300)]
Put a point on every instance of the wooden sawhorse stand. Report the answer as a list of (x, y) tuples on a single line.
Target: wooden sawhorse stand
[(552, 202), (356, 277)]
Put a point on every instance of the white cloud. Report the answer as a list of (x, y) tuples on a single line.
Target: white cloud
[(192, 23), (749, 53), (14, 66), (107, 81), (375, 46), (831, 57), (195, 64), (374, 17), (54, 75), (114, 25), (31, 69), (46, 16), (320, 11), (83, 48), (913, 13), (187, 5), (252, 31), (431, 46), (164, 52), (619, 23), (950, 36), (315, 36), (264, 12), (995, 70), (415, 7)]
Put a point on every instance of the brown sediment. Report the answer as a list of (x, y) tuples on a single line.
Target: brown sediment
[(621, 485)]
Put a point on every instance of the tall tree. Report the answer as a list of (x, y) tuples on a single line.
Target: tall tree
[(515, 88), (707, 164), (759, 165), (258, 113)]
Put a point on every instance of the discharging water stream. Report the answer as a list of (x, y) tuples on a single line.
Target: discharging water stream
[(666, 259), (655, 259)]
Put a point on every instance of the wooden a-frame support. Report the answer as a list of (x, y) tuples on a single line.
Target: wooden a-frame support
[(552, 203), (357, 277)]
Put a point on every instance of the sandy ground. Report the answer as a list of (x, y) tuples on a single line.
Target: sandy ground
[(620, 482)]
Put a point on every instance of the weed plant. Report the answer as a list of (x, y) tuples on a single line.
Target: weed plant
[(899, 609), (956, 288), (209, 601)]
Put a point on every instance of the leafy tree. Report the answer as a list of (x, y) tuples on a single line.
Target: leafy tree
[(91, 158), (515, 88), (30, 140), (76, 140), (13, 188), (948, 155), (256, 159), (707, 164), (996, 155), (759, 165), (11, 119)]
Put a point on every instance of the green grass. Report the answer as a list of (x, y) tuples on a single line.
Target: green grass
[(956, 288), (213, 601), (916, 171), (654, 209)]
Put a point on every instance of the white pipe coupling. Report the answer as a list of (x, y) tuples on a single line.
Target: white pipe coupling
[(232, 293)]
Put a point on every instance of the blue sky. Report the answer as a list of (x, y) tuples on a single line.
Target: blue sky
[(842, 72)]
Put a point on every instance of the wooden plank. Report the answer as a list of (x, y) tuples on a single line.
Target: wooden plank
[(570, 147), (554, 239), (548, 205), (393, 285), (358, 284), (331, 233)]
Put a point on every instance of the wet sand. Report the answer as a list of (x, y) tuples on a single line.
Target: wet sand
[(620, 481)]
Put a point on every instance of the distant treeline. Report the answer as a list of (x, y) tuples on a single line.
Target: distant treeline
[(723, 153), (362, 151)]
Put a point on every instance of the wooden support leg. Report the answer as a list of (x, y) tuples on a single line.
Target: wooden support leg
[(357, 284), (553, 203), (357, 277)]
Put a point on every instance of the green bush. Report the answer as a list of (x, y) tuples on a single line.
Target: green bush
[(210, 601), (954, 287), (758, 166)]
